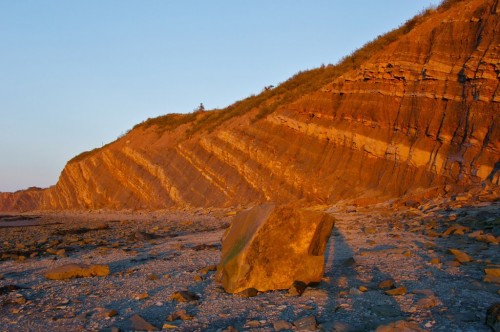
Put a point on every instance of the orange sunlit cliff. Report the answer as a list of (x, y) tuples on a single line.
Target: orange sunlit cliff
[(417, 108)]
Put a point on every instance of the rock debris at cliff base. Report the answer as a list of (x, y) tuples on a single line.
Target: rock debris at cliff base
[(155, 259)]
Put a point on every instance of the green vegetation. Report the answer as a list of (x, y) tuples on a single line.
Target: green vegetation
[(300, 84), (270, 99), (169, 121), (83, 155)]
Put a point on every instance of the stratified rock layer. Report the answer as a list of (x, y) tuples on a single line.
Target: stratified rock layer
[(269, 247), (421, 112)]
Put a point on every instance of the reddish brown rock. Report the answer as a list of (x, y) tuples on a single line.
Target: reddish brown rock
[(493, 317), (400, 326), (77, 271), (396, 291), (269, 247), (460, 256)]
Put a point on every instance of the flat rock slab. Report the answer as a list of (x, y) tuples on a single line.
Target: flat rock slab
[(269, 247), (70, 271)]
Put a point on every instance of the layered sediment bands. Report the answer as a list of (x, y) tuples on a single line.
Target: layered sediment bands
[(424, 111)]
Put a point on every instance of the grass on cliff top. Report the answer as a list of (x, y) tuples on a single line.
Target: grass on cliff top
[(269, 100), (300, 84)]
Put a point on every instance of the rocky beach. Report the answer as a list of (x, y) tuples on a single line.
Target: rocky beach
[(423, 264)]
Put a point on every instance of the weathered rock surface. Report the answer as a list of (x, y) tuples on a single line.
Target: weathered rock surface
[(269, 247), (493, 317), (423, 111), (400, 326), (70, 271)]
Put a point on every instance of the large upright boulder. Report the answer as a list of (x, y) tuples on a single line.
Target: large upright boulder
[(269, 247)]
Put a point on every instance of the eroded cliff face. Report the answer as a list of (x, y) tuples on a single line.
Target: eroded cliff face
[(422, 112)]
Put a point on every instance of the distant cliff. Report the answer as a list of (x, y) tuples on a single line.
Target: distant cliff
[(414, 109)]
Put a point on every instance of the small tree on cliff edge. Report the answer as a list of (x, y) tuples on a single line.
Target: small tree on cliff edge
[(200, 108)]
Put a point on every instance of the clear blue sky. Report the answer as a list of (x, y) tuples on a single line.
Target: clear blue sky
[(77, 74)]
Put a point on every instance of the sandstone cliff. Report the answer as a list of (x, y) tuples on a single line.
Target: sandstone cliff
[(418, 108)]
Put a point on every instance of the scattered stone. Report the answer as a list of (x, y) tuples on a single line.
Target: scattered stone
[(453, 263), (400, 326), (252, 323), (488, 238), (298, 287), (493, 317), (491, 279), (110, 313), (396, 291), (249, 292), (51, 251), (435, 261), (139, 323), (142, 236), (281, 325), (460, 256), (456, 230), (19, 299), (389, 283), (167, 326), (369, 230), (427, 302), (363, 289), (269, 247), (152, 277), (336, 326), (492, 272), (77, 271), (305, 323), (184, 296), (207, 269), (141, 296), (179, 315)]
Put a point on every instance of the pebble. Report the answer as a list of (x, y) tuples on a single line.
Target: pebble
[(153, 276), (396, 291), (141, 296), (386, 284), (139, 323), (179, 315), (427, 302), (184, 296), (460, 256), (110, 313), (281, 325), (305, 323), (252, 324), (400, 326), (363, 288)]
